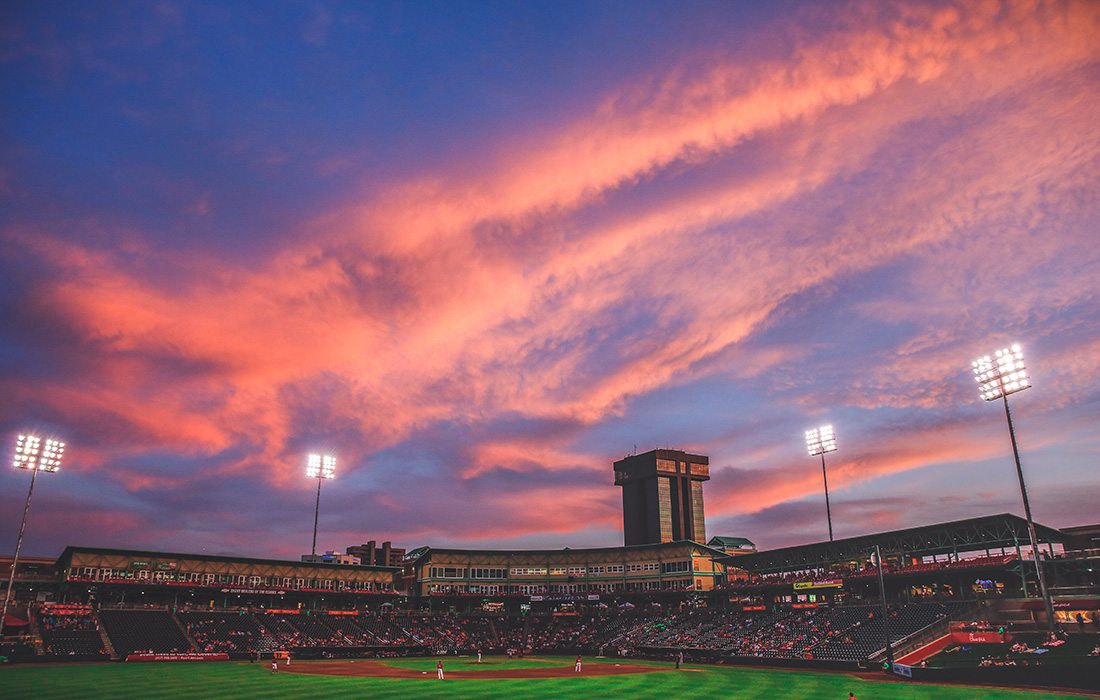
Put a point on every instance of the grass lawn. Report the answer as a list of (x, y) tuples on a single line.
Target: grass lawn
[(247, 681)]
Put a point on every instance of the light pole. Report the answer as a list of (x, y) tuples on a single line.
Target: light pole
[(885, 612), (32, 455), (998, 376), (818, 442), (319, 467)]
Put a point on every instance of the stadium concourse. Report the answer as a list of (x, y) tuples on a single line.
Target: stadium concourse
[(960, 598)]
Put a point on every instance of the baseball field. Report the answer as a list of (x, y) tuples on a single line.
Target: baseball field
[(529, 679)]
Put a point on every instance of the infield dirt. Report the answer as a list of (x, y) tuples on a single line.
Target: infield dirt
[(380, 669)]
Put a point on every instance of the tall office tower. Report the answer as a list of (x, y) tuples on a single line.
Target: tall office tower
[(662, 496)]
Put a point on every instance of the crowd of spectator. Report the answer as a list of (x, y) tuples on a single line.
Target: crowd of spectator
[(839, 633)]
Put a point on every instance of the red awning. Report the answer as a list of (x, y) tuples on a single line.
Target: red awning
[(12, 621)]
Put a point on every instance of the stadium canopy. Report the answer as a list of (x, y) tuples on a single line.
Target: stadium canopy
[(633, 551), (727, 543), (65, 560), (984, 534)]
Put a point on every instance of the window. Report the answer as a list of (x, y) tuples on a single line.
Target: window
[(531, 588), (447, 572), (489, 573), (486, 589)]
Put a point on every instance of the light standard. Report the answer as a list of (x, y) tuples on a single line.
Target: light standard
[(885, 612), (30, 454), (319, 467), (818, 442), (998, 376)]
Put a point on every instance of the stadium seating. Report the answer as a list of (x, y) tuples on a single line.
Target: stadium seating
[(72, 635), (229, 632), (143, 630)]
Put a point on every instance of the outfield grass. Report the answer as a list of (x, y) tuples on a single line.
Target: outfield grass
[(246, 681)]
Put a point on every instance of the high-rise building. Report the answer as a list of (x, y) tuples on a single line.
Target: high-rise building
[(663, 496), (372, 555)]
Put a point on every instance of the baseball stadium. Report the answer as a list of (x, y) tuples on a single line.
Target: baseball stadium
[(963, 609)]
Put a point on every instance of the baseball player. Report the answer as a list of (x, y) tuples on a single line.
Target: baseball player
[(439, 669), (577, 666)]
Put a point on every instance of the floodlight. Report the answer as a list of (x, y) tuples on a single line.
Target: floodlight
[(33, 456), (321, 467), (1001, 374), (821, 440), (998, 376)]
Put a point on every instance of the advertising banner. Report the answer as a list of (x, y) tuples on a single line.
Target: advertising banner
[(178, 657), (830, 583)]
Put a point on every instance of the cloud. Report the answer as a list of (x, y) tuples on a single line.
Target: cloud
[(830, 220)]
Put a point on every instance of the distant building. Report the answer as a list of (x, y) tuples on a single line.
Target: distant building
[(331, 557), (372, 555), (662, 496)]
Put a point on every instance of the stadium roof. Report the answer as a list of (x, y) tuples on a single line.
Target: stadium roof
[(728, 542), (136, 553), (420, 552), (971, 535)]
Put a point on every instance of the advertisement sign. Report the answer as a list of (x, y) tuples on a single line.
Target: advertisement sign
[(257, 591), (830, 583), (65, 609), (178, 657), (561, 598), (979, 637), (903, 670)]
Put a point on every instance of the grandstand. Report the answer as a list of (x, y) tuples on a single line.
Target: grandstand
[(814, 605)]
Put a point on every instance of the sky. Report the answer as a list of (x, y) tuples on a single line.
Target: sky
[(479, 251)]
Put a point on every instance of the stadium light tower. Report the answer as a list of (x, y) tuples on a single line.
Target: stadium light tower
[(999, 375), (33, 455), (319, 467), (818, 442)]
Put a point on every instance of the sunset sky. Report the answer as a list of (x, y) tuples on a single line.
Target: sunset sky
[(481, 250)]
